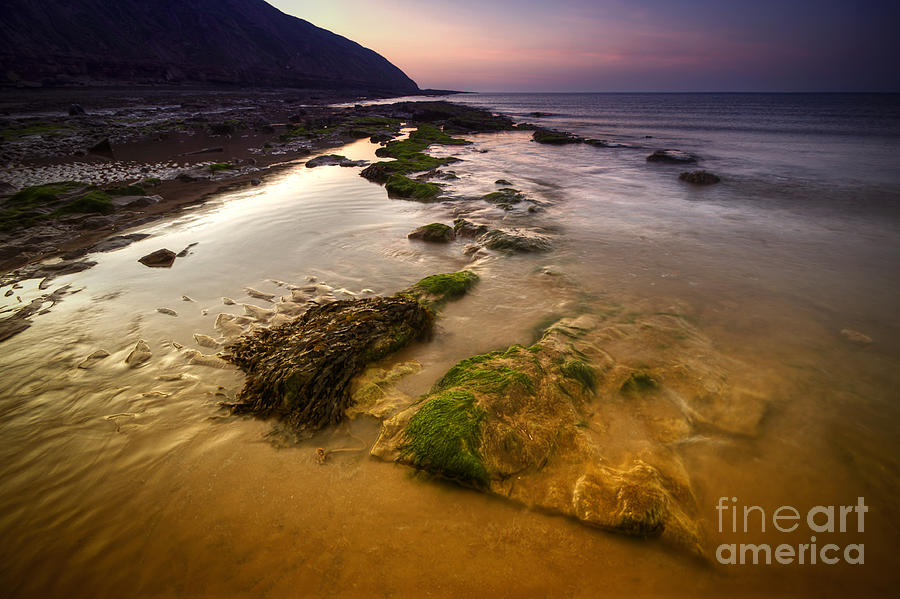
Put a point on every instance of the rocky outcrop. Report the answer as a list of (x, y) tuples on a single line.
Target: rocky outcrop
[(565, 426), (671, 157), (172, 41), (434, 232), (300, 372)]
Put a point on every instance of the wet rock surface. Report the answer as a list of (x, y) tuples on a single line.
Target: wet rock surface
[(300, 372), (671, 157), (163, 258), (434, 232), (564, 426)]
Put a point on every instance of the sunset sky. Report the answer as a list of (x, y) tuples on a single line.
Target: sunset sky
[(621, 45)]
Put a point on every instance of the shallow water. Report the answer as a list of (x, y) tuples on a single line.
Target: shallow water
[(117, 483)]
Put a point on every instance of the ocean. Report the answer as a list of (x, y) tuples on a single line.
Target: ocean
[(783, 277)]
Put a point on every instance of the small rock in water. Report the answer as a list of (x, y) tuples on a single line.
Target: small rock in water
[(699, 177), (92, 359), (368, 291), (140, 354), (205, 340), (159, 259), (228, 301), (186, 250), (671, 156), (269, 297), (856, 337), (167, 311), (185, 298), (76, 110), (311, 278), (258, 313), (435, 232)]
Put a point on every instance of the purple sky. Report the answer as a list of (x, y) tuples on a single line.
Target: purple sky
[(621, 45)]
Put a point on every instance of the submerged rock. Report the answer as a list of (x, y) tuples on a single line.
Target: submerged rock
[(699, 177), (671, 156), (436, 232), (515, 240), (556, 425), (300, 372), (466, 228), (159, 259), (505, 198), (549, 136)]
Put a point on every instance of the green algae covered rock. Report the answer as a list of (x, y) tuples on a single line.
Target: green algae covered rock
[(563, 426), (435, 232)]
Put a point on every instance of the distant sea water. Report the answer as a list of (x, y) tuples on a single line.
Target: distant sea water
[(849, 142)]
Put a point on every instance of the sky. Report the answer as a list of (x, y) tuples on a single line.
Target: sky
[(621, 45)]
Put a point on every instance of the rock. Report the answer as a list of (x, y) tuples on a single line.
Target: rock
[(301, 371), (671, 156), (197, 358), (167, 311), (699, 177), (93, 358), (103, 147), (515, 240), (261, 314), (228, 301), (227, 327), (334, 160), (549, 136), (465, 228), (549, 425), (7, 189), (269, 297), (205, 340), (118, 241), (186, 250), (505, 198), (185, 298), (140, 354), (159, 259), (255, 182), (374, 392), (856, 337), (76, 110), (502, 182), (435, 232), (135, 201)]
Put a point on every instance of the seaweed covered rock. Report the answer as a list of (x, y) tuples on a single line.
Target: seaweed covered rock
[(515, 240), (403, 187), (564, 426), (506, 197), (334, 160), (699, 177), (434, 232), (300, 372), (552, 137), (466, 228)]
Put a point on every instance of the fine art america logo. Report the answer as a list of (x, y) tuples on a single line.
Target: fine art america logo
[(788, 519)]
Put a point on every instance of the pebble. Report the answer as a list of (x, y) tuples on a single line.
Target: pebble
[(185, 298), (140, 354), (228, 301), (856, 337), (268, 297), (205, 340), (167, 311)]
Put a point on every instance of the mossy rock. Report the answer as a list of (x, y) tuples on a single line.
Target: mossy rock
[(404, 187), (434, 232), (552, 137), (127, 190), (44, 194), (218, 167), (515, 240), (505, 198), (436, 290), (93, 202), (444, 436), (639, 382)]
